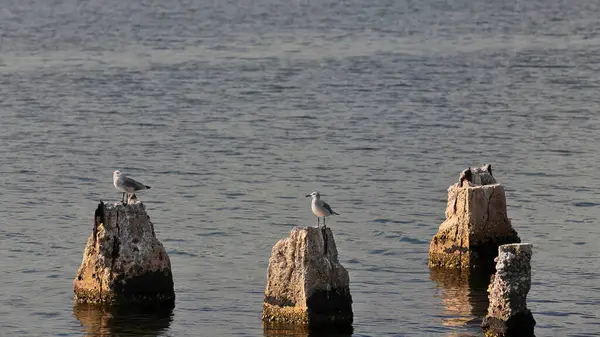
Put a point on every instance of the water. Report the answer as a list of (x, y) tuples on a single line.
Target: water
[(234, 110)]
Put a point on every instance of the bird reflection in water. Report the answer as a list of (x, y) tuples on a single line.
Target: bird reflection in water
[(464, 297), (286, 330), (125, 321)]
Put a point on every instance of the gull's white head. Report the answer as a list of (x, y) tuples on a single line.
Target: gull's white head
[(116, 174), (314, 195)]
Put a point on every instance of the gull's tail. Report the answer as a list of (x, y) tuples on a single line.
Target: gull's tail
[(147, 187), (336, 213)]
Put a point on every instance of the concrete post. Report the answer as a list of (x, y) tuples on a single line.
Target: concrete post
[(123, 261), (507, 313), (306, 284), (476, 223)]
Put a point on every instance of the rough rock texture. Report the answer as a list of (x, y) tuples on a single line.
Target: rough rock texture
[(507, 313), (476, 223), (123, 261), (306, 284)]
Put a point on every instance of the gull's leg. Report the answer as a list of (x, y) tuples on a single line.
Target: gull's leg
[(324, 222), (318, 219), (123, 198)]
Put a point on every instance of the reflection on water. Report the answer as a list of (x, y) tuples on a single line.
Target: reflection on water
[(463, 294), (122, 321), (281, 330)]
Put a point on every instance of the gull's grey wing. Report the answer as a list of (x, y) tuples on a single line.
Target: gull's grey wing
[(128, 182), (328, 208)]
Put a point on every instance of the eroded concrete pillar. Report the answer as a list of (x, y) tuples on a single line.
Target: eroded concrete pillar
[(306, 284), (476, 222), (123, 261), (507, 312)]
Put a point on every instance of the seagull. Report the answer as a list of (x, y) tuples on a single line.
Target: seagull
[(127, 185), (319, 207)]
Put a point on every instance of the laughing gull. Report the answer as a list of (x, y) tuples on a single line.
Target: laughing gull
[(319, 207), (127, 185)]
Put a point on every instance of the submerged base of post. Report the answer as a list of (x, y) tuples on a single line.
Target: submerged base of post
[(306, 284), (138, 320), (273, 329), (519, 325), (324, 308), (462, 294)]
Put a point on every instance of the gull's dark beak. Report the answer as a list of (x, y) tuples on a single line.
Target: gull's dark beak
[(308, 196)]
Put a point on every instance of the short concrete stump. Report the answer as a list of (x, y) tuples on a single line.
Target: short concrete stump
[(306, 284), (507, 312), (476, 223), (123, 261)]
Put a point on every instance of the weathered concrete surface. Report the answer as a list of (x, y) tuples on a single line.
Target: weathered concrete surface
[(507, 313), (306, 284), (476, 223), (123, 261)]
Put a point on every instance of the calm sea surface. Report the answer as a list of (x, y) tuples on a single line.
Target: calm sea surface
[(234, 110)]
